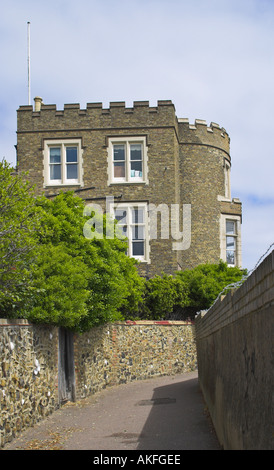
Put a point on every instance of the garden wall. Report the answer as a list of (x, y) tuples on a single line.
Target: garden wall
[(28, 375), (122, 352), (111, 354)]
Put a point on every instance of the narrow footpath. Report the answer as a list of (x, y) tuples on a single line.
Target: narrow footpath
[(165, 413)]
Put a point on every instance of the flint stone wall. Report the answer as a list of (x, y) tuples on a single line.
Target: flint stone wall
[(28, 375), (122, 352), (104, 356)]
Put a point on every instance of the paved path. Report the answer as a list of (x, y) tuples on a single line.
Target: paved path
[(166, 413)]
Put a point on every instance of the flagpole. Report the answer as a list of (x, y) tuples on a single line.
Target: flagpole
[(29, 61)]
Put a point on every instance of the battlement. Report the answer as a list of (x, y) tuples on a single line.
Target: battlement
[(203, 134), (39, 107), (94, 116), (46, 117), (201, 122)]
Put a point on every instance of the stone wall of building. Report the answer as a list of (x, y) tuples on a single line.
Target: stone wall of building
[(185, 165), (104, 356), (235, 362), (203, 152), (94, 126)]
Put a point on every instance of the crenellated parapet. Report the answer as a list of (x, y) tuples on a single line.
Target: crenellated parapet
[(200, 133), (72, 116), (46, 117), (40, 106)]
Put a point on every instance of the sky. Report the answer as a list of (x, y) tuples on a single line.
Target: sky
[(213, 58)]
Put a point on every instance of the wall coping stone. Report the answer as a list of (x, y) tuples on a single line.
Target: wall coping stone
[(24, 322), (14, 322), (155, 322)]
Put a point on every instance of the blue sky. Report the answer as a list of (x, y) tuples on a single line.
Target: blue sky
[(213, 58)]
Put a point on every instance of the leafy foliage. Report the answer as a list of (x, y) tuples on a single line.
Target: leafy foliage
[(80, 282), (206, 281), (162, 294), (60, 286), (19, 225), (51, 273), (187, 291)]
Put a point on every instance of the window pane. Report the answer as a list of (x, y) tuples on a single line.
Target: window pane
[(230, 257), (120, 214), (121, 217), (138, 232), (55, 155), (119, 152), (72, 172), (136, 169), (137, 215), (136, 152), (55, 172), (124, 230), (138, 248), (71, 153), (230, 226), (230, 243), (119, 170), (121, 231)]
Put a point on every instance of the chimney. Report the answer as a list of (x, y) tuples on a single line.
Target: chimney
[(37, 103)]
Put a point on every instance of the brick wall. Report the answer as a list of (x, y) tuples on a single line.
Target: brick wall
[(235, 362)]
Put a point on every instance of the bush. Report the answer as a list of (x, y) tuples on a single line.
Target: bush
[(206, 281), (162, 294), (187, 292)]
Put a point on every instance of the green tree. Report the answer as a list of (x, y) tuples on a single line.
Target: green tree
[(19, 226), (49, 271), (80, 282), (59, 288)]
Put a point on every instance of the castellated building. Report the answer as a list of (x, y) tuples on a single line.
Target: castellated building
[(166, 181)]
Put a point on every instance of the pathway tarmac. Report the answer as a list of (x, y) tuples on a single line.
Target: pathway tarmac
[(164, 413)]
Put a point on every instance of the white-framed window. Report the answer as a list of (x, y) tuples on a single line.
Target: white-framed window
[(62, 162), (127, 160), (231, 240), (132, 221)]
